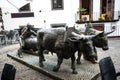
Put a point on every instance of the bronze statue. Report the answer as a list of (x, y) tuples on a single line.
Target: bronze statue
[(28, 40)]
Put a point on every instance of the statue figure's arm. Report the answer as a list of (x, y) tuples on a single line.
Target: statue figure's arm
[(33, 32)]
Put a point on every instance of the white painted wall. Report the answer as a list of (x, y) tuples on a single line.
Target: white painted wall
[(96, 9), (50, 16), (117, 5), (9, 22)]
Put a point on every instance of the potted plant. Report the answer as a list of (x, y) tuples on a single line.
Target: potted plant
[(102, 17), (84, 14), (82, 11)]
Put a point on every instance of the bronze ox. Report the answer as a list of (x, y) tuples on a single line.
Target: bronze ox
[(60, 47), (29, 43), (64, 44), (99, 41)]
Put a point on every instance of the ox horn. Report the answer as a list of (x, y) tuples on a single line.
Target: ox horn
[(98, 32), (82, 36), (107, 33), (94, 31)]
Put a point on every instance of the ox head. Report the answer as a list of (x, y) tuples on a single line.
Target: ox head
[(85, 44), (101, 40)]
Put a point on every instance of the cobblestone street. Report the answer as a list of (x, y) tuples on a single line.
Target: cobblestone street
[(23, 72), (26, 73), (65, 40)]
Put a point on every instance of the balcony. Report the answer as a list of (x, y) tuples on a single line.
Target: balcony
[(96, 17)]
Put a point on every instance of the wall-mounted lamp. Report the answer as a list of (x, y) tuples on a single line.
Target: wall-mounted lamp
[(6, 13), (40, 10)]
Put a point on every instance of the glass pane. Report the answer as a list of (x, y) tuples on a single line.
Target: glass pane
[(85, 5), (57, 4)]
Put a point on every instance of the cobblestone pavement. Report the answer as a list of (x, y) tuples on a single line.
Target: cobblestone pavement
[(26, 73), (113, 52), (23, 72)]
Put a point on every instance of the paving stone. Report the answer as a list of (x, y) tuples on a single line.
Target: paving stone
[(23, 72), (86, 70), (65, 71)]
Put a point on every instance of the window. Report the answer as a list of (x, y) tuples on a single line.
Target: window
[(107, 8), (57, 4), (85, 5), (58, 25), (25, 8), (86, 10), (22, 15), (24, 11), (104, 6), (109, 5)]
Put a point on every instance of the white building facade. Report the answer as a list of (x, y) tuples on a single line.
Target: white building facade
[(55, 13)]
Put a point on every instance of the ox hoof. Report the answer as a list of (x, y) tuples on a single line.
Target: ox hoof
[(75, 72), (86, 59), (78, 62), (43, 59), (46, 52), (55, 69), (20, 56), (94, 62), (41, 65)]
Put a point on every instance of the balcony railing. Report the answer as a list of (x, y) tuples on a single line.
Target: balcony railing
[(97, 17)]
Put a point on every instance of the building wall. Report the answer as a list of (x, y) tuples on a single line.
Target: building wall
[(46, 17), (96, 9)]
